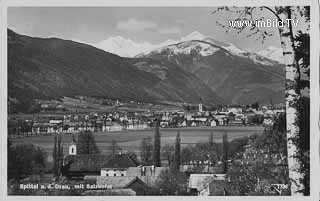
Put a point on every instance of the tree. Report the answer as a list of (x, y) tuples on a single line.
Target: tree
[(57, 155), (157, 146), (255, 105), (292, 99), (171, 182), (146, 151), (114, 147), (167, 153), (187, 154), (86, 143), (54, 156), (293, 84), (25, 159), (225, 149), (177, 152), (211, 140)]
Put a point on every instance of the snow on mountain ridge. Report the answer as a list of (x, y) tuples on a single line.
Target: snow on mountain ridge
[(125, 47), (195, 35), (187, 47)]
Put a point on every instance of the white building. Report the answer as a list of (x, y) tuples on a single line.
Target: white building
[(73, 147), (213, 123), (200, 107)]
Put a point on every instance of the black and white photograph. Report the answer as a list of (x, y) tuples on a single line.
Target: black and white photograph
[(158, 101)]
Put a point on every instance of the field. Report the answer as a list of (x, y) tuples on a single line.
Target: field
[(130, 140)]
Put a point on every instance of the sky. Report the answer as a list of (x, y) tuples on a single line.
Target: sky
[(141, 24)]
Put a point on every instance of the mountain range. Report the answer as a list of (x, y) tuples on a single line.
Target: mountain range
[(197, 67), (125, 47), (52, 68)]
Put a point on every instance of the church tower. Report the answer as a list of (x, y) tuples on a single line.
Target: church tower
[(73, 147), (200, 106)]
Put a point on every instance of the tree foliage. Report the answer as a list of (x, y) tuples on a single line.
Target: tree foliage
[(86, 143), (255, 176), (157, 146), (146, 151), (296, 51), (24, 159), (171, 182), (114, 147), (177, 152), (57, 155), (168, 153), (225, 150)]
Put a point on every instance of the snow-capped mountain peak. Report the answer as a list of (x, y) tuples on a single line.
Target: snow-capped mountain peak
[(126, 47), (195, 35)]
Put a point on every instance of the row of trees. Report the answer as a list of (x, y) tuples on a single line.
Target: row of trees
[(175, 155)]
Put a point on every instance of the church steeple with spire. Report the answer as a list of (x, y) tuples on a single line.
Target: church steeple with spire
[(200, 106)]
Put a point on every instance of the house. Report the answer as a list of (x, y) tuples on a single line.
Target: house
[(148, 174), (75, 165), (70, 127), (235, 110), (132, 182), (140, 179), (213, 123), (199, 182), (267, 122), (111, 126), (164, 124), (44, 128), (184, 123), (188, 116), (118, 165), (55, 121), (215, 188), (79, 166), (137, 126), (236, 123), (221, 121)]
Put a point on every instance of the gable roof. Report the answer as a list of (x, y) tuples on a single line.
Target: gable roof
[(95, 162), (135, 180), (122, 161), (86, 162)]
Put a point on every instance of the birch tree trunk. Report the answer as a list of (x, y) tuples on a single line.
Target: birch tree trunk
[(292, 93)]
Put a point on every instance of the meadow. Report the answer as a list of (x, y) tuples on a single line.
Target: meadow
[(131, 140)]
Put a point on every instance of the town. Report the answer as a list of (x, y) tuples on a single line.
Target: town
[(210, 167), (51, 122)]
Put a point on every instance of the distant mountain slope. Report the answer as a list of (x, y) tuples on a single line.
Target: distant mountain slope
[(52, 68), (274, 53), (237, 76)]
